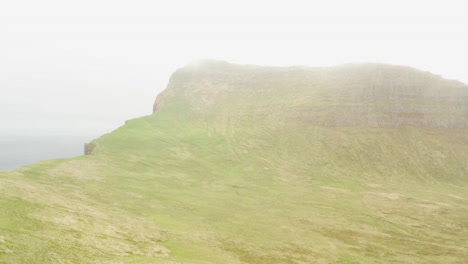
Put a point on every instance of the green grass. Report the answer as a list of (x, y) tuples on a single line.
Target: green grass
[(250, 170)]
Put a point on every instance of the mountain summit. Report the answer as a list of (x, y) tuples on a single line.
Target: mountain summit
[(375, 95), (358, 163)]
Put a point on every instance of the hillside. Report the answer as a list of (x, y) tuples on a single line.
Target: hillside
[(359, 163)]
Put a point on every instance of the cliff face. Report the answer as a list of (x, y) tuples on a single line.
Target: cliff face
[(374, 95), (88, 148)]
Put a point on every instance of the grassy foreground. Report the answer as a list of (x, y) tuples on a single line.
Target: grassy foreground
[(245, 164)]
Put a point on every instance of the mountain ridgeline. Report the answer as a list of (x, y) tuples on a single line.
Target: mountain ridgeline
[(242, 164), (374, 95)]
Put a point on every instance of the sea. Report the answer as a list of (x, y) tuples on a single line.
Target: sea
[(19, 149)]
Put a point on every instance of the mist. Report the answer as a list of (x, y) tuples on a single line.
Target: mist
[(82, 68)]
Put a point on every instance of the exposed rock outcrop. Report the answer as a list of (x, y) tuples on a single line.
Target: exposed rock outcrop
[(88, 148)]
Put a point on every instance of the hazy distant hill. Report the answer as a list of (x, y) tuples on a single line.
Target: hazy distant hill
[(375, 95), (360, 163)]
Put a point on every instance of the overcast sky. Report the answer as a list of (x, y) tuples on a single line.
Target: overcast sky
[(89, 65)]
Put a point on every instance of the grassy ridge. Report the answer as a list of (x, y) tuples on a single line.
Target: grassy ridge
[(245, 164)]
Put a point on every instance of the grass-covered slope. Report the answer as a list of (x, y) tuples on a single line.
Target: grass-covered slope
[(246, 164)]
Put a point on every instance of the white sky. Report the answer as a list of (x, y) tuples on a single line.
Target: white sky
[(89, 65)]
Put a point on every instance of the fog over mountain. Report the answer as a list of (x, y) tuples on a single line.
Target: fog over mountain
[(358, 163), (94, 64), (236, 132)]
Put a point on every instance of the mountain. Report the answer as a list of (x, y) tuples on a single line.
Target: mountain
[(359, 163)]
